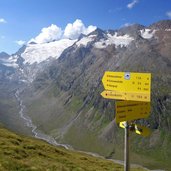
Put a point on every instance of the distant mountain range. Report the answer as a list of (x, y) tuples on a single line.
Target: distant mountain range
[(60, 85)]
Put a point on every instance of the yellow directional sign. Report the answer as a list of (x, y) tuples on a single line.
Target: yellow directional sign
[(138, 129), (113, 95), (118, 95), (136, 85), (131, 110)]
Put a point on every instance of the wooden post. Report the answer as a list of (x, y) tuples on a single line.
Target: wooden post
[(126, 152)]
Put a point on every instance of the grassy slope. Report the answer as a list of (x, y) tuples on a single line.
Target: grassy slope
[(26, 154)]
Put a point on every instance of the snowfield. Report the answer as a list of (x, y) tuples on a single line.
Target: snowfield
[(40, 52)]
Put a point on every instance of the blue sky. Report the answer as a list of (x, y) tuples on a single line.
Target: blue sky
[(22, 20)]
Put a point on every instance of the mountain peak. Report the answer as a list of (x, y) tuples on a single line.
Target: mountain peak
[(21, 50), (134, 26), (81, 36), (99, 32), (162, 25), (132, 30), (4, 55), (32, 43)]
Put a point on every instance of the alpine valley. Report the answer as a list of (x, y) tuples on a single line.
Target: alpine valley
[(52, 91)]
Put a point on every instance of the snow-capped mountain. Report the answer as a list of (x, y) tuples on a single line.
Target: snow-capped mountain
[(33, 57), (34, 53), (4, 55), (7, 66)]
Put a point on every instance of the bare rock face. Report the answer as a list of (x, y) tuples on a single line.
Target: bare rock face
[(161, 25)]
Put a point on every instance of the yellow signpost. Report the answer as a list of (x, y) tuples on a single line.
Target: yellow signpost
[(126, 96), (130, 85), (138, 129), (113, 95), (131, 110)]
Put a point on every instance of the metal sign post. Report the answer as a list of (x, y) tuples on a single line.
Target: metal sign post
[(126, 152)]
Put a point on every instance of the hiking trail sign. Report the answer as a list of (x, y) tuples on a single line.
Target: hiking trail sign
[(127, 86), (131, 110), (135, 91)]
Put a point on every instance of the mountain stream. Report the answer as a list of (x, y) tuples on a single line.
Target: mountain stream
[(36, 133)]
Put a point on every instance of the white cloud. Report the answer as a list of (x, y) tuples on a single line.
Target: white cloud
[(89, 29), (48, 34), (20, 42), (71, 31), (132, 4), (168, 14), (2, 20)]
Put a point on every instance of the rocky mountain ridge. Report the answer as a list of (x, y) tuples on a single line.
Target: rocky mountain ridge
[(33, 54)]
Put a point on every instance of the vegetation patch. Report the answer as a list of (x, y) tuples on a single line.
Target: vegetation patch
[(18, 153)]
